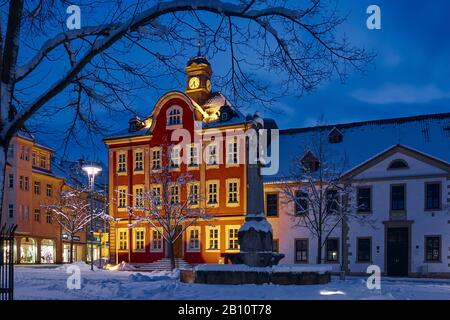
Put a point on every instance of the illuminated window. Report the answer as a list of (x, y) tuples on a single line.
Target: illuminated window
[(123, 239), (174, 194), (43, 161), (156, 195), (156, 159), (232, 238), (122, 197), (332, 250), (49, 190), (232, 151), (193, 193), (138, 196), (122, 163), (212, 154), (212, 234), (194, 239), (139, 239), (232, 191), (37, 187), (212, 193), (174, 115), (175, 157), (193, 156), (138, 161), (156, 240)]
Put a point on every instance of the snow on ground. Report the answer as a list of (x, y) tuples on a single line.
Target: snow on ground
[(50, 283)]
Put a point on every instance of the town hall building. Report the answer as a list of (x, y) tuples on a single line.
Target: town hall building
[(399, 168)]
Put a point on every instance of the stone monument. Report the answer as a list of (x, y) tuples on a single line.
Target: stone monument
[(255, 236)]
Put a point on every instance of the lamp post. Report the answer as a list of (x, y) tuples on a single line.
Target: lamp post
[(92, 170)]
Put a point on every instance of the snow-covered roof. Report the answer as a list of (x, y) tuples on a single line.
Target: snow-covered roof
[(429, 134)]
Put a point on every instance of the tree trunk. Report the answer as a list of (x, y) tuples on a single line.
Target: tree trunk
[(319, 249), (171, 255), (71, 250)]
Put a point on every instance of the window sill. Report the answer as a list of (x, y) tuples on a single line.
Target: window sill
[(433, 210), (138, 172), (232, 250), (215, 205), (193, 250), (432, 261), (121, 209), (212, 250), (175, 169), (156, 250), (233, 205), (139, 251), (232, 165), (212, 166), (121, 173), (192, 168)]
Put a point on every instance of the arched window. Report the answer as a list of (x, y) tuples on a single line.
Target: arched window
[(398, 164), (174, 116)]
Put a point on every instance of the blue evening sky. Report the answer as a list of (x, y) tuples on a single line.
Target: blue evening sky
[(410, 75)]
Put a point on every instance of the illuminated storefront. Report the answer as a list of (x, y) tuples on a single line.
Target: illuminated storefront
[(48, 251), (28, 250)]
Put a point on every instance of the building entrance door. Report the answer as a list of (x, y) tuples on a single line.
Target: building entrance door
[(397, 252)]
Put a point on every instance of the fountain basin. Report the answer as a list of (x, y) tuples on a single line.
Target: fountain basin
[(243, 274)]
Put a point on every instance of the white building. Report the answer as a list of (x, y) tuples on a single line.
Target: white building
[(401, 173)]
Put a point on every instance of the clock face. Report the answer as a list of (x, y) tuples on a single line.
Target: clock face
[(194, 83), (208, 85)]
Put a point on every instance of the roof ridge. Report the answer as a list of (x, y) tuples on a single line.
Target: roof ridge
[(367, 122)]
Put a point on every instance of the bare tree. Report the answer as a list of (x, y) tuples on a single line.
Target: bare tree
[(322, 201), (73, 213), (173, 203), (80, 76)]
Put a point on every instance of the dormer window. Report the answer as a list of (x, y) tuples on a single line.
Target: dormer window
[(310, 163), (335, 136), (224, 116), (174, 115), (398, 164)]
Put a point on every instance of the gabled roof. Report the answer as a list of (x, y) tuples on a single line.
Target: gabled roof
[(444, 165), (428, 134)]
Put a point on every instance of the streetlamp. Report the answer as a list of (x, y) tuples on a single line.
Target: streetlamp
[(92, 170)]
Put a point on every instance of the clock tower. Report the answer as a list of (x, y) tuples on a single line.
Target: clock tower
[(198, 84)]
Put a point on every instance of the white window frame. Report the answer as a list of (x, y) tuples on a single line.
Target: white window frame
[(175, 157), (208, 238), (152, 239), (238, 195), (228, 238), (159, 188), (188, 240), (170, 114), (232, 151), (136, 240), (212, 154)]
